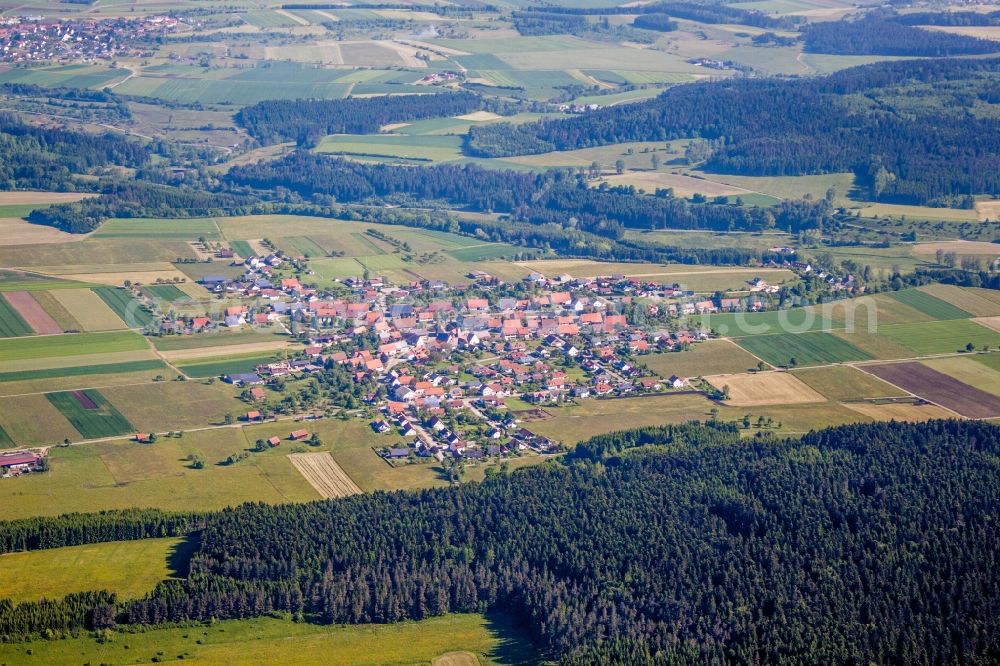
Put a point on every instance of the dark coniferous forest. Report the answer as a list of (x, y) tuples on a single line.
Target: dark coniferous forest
[(870, 543), (900, 126), (306, 121), (874, 36)]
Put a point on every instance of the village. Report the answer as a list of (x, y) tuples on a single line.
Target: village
[(36, 39), (441, 364)]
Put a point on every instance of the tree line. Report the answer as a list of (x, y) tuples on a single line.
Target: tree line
[(874, 35), (551, 197), (936, 153), (854, 544), (306, 121)]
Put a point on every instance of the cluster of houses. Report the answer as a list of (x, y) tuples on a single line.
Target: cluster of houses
[(38, 39)]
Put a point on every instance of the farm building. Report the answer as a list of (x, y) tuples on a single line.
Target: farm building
[(298, 434), (244, 379), (19, 462), (274, 441)]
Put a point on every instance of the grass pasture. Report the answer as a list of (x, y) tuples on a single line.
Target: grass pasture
[(77, 344), (130, 569), (170, 405), (747, 324), (711, 357), (968, 370), (491, 639), (224, 366), (811, 348), (940, 337), (31, 420), (90, 413), (900, 411), (179, 229)]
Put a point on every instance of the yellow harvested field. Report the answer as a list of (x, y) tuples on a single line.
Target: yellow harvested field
[(456, 659), (22, 198), (116, 279), (393, 126), (959, 247), (988, 210), (900, 412), (918, 212), (15, 231), (683, 186), (200, 354), (87, 308), (989, 322), (480, 116), (765, 388), (434, 47), (289, 15), (324, 474), (76, 269), (991, 32), (978, 302)]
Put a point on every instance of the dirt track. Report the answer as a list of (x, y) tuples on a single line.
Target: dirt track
[(324, 474)]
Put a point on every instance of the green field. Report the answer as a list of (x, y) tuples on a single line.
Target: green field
[(458, 640), (101, 421), (242, 248), (5, 441), (220, 339), (82, 370), (165, 292), (810, 348), (125, 306), (182, 229), (76, 344), (486, 252), (224, 366), (306, 246), (12, 324), (427, 148), (940, 337), (931, 306), (743, 324), (17, 281), (130, 569), (712, 357)]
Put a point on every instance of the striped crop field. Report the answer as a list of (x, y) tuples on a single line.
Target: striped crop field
[(812, 348), (90, 413), (125, 306), (12, 324)]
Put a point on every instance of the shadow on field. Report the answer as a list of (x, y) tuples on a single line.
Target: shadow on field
[(179, 556), (514, 645)]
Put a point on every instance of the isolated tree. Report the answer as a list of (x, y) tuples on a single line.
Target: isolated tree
[(619, 166), (655, 161)]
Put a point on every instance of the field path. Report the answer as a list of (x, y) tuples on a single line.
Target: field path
[(324, 474)]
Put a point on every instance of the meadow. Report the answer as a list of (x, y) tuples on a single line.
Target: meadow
[(444, 641), (130, 569), (811, 348), (82, 370), (184, 229), (52, 346), (224, 366), (940, 337), (711, 357)]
